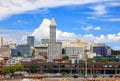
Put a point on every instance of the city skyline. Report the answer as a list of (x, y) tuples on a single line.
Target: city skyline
[(90, 20)]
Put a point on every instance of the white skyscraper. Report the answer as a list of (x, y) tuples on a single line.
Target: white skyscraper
[(1, 41), (54, 48)]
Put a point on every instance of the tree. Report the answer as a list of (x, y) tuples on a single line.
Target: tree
[(65, 57), (5, 70), (90, 61), (32, 68), (115, 52), (33, 52), (12, 69), (105, 60)]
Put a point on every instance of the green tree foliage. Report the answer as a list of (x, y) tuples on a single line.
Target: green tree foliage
[(90, 61), (65, 57), (12, 69), (5, 70), (115, 52), (33, 52), (32, 68), (105, 60)]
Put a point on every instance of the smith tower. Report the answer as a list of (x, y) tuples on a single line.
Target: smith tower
[(53, 31), (54, 48)]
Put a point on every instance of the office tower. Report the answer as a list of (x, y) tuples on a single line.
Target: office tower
[(1, 41), (101, 49), (54, 48), (30, 40), (44, 41)]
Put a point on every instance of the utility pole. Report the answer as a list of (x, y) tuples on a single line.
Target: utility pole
[(86, 67)]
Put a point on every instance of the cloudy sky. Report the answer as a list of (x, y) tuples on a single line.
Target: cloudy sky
[(91, 20)]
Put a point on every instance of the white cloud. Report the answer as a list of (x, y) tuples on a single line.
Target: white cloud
[(114, 4), (99, 10), (88, 37), (116, 48), (114, 19), (87, 28), (10, 7), (97, 28), (17, 36), (43, 31), (112, 38), (91, 28)]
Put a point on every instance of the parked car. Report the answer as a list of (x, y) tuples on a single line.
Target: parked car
[(75, 75)]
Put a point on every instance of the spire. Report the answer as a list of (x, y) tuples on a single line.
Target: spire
[(53, 23)]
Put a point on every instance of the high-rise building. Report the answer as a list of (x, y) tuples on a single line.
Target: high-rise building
[(30, 40), (54, 48), (44, 41), (1, 41)]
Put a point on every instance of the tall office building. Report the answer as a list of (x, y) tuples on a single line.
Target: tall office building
[(30, 40), (1, 41), (54, 48), (44, 41)]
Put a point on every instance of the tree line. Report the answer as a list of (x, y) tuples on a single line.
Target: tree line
[(11, 69)]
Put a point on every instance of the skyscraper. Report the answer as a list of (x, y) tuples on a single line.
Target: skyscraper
[(30, 40), (54, 48), (1, 41)]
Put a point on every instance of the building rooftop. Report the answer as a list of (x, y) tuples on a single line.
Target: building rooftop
[(53, 23)]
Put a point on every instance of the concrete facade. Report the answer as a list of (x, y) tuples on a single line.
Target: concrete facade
[(74, 51), (41, 52), (5, 52)]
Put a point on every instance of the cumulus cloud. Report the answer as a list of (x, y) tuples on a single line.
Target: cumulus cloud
[(43, 31), (111, 38), (10, 7)]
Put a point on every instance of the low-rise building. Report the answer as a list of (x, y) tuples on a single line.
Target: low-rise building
[(41, 51), (23, 50), (5, 52), (73, 51), (101, 49)]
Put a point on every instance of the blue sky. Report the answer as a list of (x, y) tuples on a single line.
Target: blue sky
[(91, 20)]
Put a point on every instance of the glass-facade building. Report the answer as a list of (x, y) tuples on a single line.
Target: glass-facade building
[(102, 50), (30, 40)]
